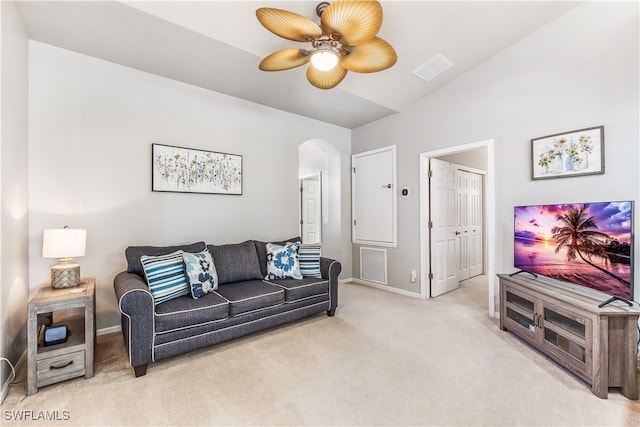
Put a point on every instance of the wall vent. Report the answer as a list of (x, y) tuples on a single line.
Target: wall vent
[(433, 67), (373, 265)]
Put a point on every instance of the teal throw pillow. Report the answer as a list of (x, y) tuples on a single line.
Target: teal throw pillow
[(282, 262), (201, 273), (309, 257), (165, 276)]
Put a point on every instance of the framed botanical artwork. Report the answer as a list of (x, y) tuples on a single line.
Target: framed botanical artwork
[(575, 153), (188, 170)]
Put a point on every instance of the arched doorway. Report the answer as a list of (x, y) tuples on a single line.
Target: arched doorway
[(319, 158)]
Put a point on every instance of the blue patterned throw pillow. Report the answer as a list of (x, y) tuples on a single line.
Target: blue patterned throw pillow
[(309, 257), (201, 273), (282, 262), (165, 276)]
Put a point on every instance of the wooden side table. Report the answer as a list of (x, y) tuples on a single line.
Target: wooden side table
[(73, 358)]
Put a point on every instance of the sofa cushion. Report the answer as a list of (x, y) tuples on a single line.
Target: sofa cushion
[(236, 262), (133, 254), (282, 261), (184, 312), (201, 273), (295, 290), (261, 249), (165, 276), (251, 295), (309, 257)]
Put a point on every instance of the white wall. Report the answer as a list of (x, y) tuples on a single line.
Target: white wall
[(578, 71), (90, 132), (476, 159), (14, 269)]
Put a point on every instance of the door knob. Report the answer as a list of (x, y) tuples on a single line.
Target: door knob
[(386, 186), (457, 233)]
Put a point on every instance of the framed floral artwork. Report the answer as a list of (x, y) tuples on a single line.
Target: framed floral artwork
[(575, 153), (188, 170)]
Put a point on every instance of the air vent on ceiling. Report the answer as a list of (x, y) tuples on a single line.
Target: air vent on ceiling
[(433, 67)]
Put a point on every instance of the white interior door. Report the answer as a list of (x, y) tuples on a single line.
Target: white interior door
[(374, 197), (476, 225), (469, 218), (442, 191), (311, 209), (462, 223)]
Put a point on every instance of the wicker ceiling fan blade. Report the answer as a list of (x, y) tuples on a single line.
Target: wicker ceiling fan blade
[(288, 25), (326, 79), (284, 59), (356, 22), (376, 55)]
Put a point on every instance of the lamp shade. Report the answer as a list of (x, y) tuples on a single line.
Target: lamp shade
[(63, 243), (324, 57)]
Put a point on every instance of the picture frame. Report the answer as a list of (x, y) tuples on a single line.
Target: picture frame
[(189, 170), (575, 153)]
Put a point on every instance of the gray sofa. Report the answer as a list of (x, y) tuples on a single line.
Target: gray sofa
[(244, 302)]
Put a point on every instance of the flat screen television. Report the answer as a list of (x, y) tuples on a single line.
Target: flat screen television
[(588, 244)]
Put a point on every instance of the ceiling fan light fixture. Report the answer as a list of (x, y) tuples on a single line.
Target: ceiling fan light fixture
[(324, 57)]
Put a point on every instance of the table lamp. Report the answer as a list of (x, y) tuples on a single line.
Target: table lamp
[(64, 244)]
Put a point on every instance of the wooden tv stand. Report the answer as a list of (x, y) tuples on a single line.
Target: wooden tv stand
[(598, 345)]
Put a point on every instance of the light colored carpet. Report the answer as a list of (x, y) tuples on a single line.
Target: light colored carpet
[(384, 359)]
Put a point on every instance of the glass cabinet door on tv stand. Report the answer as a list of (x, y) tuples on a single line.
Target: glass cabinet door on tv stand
[(568, 336), (521, 314)]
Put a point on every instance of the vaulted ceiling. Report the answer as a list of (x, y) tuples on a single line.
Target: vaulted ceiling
[(218, 45)]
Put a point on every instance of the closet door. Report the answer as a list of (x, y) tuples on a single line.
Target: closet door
[(476, 225), (462, 223), (469, 224), (374, 197)]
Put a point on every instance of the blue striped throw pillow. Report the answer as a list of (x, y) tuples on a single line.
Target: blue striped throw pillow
[(165, 276), (309, 257)]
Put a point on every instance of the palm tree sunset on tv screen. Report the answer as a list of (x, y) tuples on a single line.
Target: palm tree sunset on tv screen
[(587, 244)]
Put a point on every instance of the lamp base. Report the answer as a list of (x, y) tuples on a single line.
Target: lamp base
[(65, 276)]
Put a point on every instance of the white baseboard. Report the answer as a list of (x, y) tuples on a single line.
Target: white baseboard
[(109, 330), (387, 288), (5, 387)]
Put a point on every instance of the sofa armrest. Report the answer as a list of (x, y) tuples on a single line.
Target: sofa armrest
[(138, 310), (330, 269)]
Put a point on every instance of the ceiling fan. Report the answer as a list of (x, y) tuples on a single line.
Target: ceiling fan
[(344, 41)]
